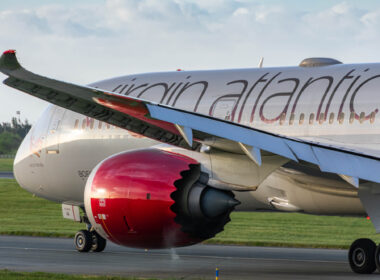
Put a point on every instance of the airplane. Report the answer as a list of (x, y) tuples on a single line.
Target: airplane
[(160, 160)]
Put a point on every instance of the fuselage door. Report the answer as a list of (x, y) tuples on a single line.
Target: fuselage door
[(52, 141)]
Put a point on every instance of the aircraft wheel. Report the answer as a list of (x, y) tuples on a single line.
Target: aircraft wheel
[(361, 256), (98, 242), (377, 257), (83, 241)]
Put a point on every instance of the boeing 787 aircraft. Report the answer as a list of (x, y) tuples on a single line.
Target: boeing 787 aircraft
[(160, 160)]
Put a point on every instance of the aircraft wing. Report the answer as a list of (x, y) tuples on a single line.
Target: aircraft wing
[(183, 128), (125, 112)]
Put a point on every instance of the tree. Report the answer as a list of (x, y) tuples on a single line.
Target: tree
[(11, 135), (9, 142), (20, 128)]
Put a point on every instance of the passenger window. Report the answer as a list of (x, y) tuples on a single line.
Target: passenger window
[(321, 118), (92, 123), (100, 125), (311, 118), (352, 117), (341, 118), (372, 119), (291, 120), (76, 126), (331, 119), (282, 118), (108, 126), (362, 117), (302, 118), (84, 124)]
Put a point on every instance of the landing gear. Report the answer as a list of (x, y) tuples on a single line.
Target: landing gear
[(98, 242), (377, 257), (86, 241), (361, 256), (83, 241)]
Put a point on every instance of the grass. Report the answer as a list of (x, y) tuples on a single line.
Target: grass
[(10, 275), (6, 164), (23, 214), (294, 230)]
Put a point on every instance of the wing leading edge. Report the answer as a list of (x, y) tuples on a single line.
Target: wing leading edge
[(178, 127), (125, 112)]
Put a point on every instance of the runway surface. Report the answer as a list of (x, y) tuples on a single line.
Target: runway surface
[(200, 261), (6, 175)]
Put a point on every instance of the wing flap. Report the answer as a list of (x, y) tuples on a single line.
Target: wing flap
[(302, 151)]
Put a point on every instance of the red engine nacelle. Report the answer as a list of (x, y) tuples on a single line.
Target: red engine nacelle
[(153, 199)]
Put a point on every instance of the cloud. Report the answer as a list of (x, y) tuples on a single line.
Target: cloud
[(83, 43)]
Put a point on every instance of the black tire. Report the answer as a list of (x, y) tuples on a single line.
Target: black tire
[(83, 241), (98, 242), (377, 257), (361, 256)]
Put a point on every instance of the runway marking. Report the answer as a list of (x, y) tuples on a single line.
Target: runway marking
[(185, 255)]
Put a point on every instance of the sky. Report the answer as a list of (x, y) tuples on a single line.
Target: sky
[(90, 40)]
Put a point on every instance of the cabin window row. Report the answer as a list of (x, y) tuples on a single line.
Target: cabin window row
[(322, 118), (91, 124)]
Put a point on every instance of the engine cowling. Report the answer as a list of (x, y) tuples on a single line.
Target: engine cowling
[(155, 199)]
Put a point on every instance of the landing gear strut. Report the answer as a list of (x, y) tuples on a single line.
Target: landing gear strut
[(86, 241), (362, 257)]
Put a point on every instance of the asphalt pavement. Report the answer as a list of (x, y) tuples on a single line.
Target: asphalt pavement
[(199, 261), (6, 175)]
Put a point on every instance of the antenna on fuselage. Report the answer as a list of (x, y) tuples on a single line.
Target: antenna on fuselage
[(261, 62)]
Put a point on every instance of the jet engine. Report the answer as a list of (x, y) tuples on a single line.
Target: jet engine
[(155, 199)]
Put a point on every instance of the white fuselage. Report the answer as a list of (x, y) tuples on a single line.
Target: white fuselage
[(334, 104), (57, 156)]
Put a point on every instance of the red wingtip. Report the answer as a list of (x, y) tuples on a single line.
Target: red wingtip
[(9, 51)]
